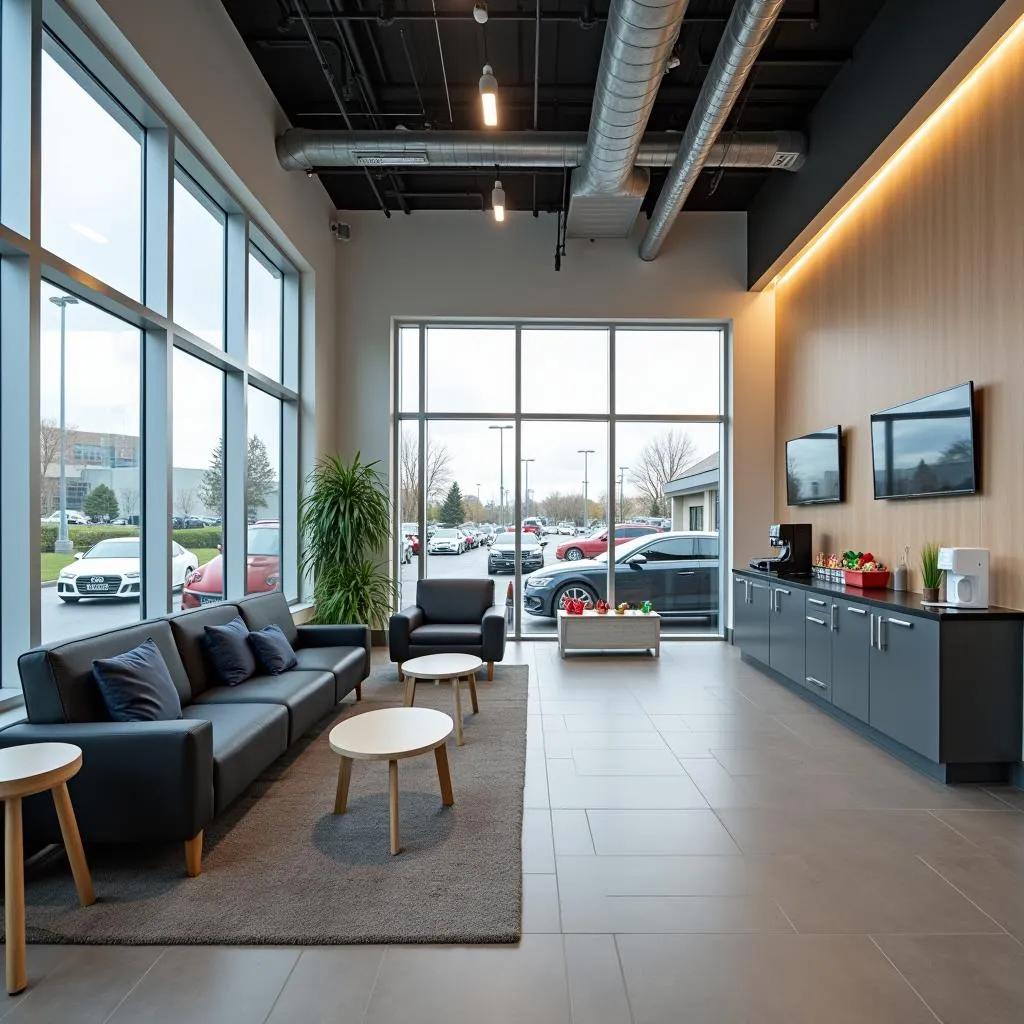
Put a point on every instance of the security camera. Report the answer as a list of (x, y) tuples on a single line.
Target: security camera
[(342, 232)]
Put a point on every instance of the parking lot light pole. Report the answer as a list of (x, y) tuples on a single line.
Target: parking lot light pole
[(63, 545), (586, 453), (501, 468), (526, 463), (622, 502)]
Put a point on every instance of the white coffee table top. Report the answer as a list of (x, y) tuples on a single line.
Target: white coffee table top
[(390, 733), (34, 767), (441, 666)]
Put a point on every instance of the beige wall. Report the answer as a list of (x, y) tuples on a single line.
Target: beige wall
[(465, 265), (919, 290)]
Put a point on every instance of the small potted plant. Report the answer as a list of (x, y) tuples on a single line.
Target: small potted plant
[(931, 574)]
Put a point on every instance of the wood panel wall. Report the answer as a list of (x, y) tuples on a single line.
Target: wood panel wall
[(921, 288)]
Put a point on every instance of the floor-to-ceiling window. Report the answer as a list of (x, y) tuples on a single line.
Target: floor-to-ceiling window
[(547, 456), (149, 376)]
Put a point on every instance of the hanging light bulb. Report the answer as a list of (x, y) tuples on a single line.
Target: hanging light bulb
[(498, 201), (489, 96)]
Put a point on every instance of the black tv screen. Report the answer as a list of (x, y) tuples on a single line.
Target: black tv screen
[(814, 468), (926, 447)]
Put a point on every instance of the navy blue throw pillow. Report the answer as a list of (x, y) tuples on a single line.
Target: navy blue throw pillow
[(273, 650), (136, 686), (230, 653)]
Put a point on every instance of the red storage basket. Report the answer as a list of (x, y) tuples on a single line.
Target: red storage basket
[(866, 580)]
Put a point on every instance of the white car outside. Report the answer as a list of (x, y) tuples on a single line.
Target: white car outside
[(112, 568), (75, 518), (447, 542), (566, 529)]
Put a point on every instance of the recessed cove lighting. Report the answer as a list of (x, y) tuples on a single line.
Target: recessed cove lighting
[(93, 236)]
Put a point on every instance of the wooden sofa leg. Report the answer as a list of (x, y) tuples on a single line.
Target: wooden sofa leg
[(490, 671), (194, 854), (359, 691)]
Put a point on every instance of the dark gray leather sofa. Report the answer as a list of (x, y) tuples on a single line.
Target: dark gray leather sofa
[(450, 617), (165, 781)]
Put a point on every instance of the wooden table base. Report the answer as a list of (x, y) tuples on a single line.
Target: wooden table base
[(470, 678)]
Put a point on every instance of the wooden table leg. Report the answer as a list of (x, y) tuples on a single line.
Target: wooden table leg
[(73, 844), (410, 690), (344, 777), (458, 710), (393, 794), (444, 776), (14, 897), (472, 692)]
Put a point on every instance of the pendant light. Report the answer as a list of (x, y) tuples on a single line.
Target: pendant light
[(498, 201), (489, 96)]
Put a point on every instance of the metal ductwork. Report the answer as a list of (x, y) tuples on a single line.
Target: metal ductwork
[(300, 149), (745, 33), (608, 188)]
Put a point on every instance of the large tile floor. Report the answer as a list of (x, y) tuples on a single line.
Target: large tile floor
[(699, 846)]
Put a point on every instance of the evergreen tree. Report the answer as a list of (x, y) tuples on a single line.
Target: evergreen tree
[(452, 512), (99, 502), (260, 478)]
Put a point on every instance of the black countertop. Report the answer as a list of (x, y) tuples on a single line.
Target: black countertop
[(882, 598)]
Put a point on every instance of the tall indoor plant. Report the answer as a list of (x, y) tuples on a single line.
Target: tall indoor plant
[(345, 519)]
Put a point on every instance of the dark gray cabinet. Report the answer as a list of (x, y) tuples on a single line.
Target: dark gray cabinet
[(904, 681), (818, 616), (851, 654), (750, 603), (786, 652)]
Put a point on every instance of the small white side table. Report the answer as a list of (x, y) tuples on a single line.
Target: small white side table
[(444, 668), (35, 768)]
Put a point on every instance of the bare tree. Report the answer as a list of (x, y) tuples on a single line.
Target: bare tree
[(186, 501), (129, 502), (438, 473), (663, 458)]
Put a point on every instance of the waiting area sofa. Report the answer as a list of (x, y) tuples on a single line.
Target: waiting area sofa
[(450, 617), (166, 780)]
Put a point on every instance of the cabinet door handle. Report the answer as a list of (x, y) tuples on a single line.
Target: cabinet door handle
[(901, 622), (758, 586), (872, 628), (814, 600), (781, 590), (857, 611), (817, 682), (690, 573), (833, 623), (814, 618), (776, 602), (881, 636)]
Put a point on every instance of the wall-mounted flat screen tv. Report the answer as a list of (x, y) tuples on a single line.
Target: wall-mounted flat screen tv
[(814, 468), (926, 448)]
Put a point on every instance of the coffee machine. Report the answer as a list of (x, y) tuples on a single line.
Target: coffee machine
[(966, 577), (793, 541)]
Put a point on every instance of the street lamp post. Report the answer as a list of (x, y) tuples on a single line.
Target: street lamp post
[(526, 463), (63, 545), (501, 468), (586, 453), (622, 502)]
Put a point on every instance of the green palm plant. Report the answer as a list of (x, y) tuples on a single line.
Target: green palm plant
[(345, 520)]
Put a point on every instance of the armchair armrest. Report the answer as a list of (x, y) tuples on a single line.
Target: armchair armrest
[(399, 628), (139, 781), (493, 634), (337, 636)]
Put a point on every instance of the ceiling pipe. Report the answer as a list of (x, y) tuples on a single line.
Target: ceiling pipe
[(747, 30), (302, 149)]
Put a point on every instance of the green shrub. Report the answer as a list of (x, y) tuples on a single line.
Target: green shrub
[(84, 537), (47, 537), (205, 537)]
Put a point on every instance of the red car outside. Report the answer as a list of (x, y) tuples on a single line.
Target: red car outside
[(262, 568), (597, 543)]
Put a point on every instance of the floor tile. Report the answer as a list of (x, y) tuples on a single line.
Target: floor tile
[(764, 979), (626, 762), (620, 704), (564, 744), (571, 831), (216, 983), (329, 986), (1000, 833), (658, 832), (1009, 795), (540, 904), (608, 723), (965, 979), (597, 990), (470, 984), (538, 845), (568, 790), (992, 885), (40, 962)]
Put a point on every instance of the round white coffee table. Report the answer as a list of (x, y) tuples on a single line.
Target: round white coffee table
[(25, 770), (389, 735), (442, 668)]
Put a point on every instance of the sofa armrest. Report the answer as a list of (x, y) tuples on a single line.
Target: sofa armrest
[(493, 630), (337, 636), (399, 629), (139, 781)]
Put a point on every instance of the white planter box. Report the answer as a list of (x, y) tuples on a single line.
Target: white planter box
[(592, 632)]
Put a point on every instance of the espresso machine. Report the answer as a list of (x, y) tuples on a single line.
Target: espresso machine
[(793, 541)]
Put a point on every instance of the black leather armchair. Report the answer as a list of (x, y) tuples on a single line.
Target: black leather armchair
[(450, 617)]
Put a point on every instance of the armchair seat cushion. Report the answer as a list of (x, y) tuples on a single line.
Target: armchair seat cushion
[(247, 739), (440, 634), (346, 664), (306, 696)]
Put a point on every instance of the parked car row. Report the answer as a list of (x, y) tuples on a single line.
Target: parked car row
[(597, 542)]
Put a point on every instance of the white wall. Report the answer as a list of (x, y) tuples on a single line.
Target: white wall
[(465, 265), (188, 58)]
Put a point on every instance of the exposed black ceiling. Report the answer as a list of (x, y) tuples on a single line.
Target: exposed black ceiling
[(386, 58)]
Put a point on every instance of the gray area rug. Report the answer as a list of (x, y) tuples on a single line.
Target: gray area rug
[(280, 868)]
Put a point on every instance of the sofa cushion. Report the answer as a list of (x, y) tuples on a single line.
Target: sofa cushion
[(346, 664), (57, 678), (230, 652), (307, 696), (455, 600), (261, 610), (439, 635), (189, 632), (247, 739), (272, 649), (136, 686)]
